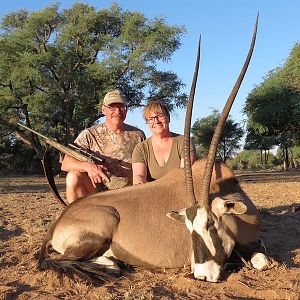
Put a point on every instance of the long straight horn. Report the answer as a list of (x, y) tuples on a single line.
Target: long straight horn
[(187, 127), (218, 130)]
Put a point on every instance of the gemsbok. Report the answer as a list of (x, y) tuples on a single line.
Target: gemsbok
[(135, 225)]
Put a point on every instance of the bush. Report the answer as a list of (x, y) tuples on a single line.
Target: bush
[(251, 160)]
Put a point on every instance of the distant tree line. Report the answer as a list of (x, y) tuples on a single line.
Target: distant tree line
[(55, 66)]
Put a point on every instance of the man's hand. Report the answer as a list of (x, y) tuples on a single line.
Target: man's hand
[(97, 173)]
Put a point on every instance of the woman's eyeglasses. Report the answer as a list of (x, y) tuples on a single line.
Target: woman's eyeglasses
[(159, 117)]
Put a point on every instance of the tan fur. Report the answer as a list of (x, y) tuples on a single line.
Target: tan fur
[(134, 218)]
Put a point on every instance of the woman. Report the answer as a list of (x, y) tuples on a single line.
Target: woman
[(162, 152)]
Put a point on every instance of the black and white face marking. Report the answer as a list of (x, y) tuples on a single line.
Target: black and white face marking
[(211, 248), (211, 244)]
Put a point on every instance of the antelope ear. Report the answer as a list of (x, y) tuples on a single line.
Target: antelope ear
[(235, 207), (178, 216)]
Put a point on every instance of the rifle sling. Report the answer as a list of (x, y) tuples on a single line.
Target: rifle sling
[(47, 166)]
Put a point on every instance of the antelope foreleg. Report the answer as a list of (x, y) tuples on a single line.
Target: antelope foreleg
[(88, 247), (42, 264)]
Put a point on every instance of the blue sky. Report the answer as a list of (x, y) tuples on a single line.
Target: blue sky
[(226, 27)]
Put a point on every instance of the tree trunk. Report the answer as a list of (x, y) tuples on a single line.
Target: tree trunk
[(292, 161), (285, 159), (224, 153), (284, 162)]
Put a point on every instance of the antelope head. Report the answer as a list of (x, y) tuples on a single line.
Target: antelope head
[(212, 246)]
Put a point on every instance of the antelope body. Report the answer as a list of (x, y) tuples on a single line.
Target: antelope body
[(135, 225), (133, 221)]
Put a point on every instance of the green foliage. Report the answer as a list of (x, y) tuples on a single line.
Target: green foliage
[(12, 161), (203, 130), (252, 160), (291, 70), (296, 151), (294, 154), (258, 141), (273, 107), (56, 65)]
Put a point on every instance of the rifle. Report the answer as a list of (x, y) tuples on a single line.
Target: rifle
[(72, 150), (76, 152)]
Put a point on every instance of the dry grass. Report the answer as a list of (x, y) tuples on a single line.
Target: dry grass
[(28, 208)]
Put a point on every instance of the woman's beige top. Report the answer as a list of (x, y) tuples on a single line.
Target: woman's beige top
[(143, 153)]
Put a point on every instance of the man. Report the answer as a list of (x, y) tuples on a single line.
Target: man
[(112, 140)]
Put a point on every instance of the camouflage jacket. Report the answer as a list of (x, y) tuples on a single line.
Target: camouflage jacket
[(115, 148)]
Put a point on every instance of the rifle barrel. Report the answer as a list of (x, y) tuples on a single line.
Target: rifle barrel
[(30, 129), (66, 150)]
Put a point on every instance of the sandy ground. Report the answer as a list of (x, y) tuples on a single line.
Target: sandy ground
[(28, 208)]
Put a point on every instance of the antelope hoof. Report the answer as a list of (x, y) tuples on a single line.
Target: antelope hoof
[(260, 261), (108, 264)]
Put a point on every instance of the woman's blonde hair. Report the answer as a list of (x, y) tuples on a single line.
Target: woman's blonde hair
[(156, 107)]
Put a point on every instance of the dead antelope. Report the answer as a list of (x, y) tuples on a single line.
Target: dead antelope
[(130, 224)]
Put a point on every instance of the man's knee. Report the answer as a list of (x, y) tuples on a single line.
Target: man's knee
[(78, 185), (74, 179)]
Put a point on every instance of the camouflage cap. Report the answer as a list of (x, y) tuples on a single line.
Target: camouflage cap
[(115, 96)]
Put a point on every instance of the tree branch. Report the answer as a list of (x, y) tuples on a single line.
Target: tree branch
[(123, 70), (5, 85), (36, 87)]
